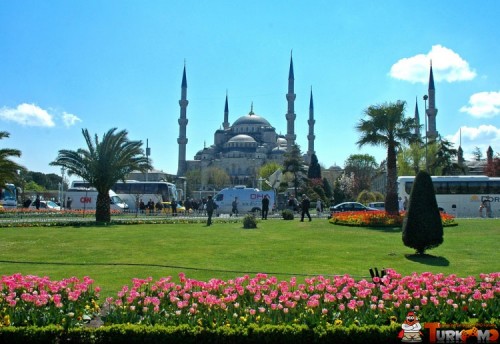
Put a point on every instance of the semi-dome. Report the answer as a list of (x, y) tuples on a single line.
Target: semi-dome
[(252, 119), (241, 138)]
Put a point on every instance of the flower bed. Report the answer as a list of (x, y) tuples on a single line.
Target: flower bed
[(260, 300), (378, 219)]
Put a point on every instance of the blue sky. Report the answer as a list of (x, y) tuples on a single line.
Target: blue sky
[(68, 65)]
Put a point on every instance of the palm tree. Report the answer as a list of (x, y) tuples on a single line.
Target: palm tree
[(8, 168), (103, 164), (387, 126)]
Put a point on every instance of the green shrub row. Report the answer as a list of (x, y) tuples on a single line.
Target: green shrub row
[(187, 334)]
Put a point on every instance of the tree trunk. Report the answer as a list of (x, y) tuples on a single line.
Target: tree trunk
[(391, 198), (102, 209)]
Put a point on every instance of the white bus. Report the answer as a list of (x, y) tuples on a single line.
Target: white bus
[(132, 191), (86, 199), (460, 196), (8, 196)]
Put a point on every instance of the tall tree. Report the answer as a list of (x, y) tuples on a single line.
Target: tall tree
[(363, 167), (294, 163), (387, 126), (314, 171), (492, 168), (8, 169), (217, 177), (476, 152), (103, 163), (443, 163), (422, 225)]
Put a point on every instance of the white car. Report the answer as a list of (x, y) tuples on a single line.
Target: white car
[(377, 205), (49, 205)]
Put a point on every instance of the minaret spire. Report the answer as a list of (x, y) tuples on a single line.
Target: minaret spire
[(183, 121), (311, 136), (290, 115), (417, 118), (225, 124), (431, 111)]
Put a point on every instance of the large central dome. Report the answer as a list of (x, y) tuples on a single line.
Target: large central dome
[(252, 119)]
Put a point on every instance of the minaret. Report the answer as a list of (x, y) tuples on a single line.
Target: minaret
[(290, 115), (311, 136), (417, 119), (489, 155), (431, 111), (183, 121), (225, 124)]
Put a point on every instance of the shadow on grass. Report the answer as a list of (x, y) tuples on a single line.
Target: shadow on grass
[(428, 259)]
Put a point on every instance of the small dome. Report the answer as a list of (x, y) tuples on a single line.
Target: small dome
[(241, 138), (252, 119), (281, 141)]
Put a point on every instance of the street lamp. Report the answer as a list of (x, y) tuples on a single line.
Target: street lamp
[(63, 169), (425, 108)]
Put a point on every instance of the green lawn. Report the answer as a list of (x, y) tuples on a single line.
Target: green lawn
[(114, 255)]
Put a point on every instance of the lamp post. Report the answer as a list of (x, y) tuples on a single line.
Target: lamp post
[(148, 153), (425, 117), (63, 169)]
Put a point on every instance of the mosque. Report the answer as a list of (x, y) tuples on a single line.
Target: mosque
[(242, 148)]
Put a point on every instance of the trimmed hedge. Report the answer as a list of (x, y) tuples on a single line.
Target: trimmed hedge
[(187, 334)]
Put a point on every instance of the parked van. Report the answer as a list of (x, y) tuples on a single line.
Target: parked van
[(83, 198), (249, 200)]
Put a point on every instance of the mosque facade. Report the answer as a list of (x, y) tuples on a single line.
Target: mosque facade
[(242, 147)]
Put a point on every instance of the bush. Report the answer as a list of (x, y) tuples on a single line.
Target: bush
[(422, 225), (249, 221), (287, 214)]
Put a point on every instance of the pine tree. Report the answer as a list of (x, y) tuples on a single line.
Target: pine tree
[(422, 225), (314, 171)]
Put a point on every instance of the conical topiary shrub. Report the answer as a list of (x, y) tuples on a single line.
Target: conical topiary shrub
[(422, 226)]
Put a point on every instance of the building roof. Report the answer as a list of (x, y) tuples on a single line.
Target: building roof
[(241, 138), (252, 119)]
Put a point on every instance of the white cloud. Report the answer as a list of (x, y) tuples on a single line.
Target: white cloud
[(70, 119), (483, 105), (28, 115), (483, 137), (447, 65)]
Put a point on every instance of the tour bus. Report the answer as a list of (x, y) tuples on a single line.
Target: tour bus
[(133, 191), (460, 196), (249, 200), (8, 196), (86, 198)]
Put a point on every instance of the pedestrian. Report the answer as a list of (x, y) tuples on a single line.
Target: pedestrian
[(210, 207), (265, 207), (151, 206), (235, 206), (159, 207), (305, 204), (68, 203), (319, 207), (173, 205), (142, 206), (37, 202), (291, 203)]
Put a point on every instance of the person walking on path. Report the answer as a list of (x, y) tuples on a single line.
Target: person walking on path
[(235, 206), (210, 207), (68, 203), (305, 204), (319, 207), (37, 202), (265, 207)]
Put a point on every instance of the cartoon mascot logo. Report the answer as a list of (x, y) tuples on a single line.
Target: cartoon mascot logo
[(410, 332)]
